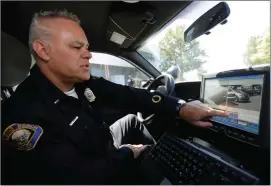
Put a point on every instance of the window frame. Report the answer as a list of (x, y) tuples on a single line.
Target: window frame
[(149, 76)]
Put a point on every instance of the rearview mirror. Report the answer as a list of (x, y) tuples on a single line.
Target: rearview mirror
[(216, 15)]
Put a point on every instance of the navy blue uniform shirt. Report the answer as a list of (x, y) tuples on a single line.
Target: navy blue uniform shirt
[(51, 138)]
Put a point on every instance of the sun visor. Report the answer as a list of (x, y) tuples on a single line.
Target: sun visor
[(15, 61)]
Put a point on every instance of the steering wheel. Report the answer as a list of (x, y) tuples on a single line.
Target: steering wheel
[(163, 84)]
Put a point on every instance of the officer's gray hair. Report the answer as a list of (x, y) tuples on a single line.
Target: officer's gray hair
[(39, 31)]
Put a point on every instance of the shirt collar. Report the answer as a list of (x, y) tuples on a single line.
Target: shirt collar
[(49, 91), (45, 87)]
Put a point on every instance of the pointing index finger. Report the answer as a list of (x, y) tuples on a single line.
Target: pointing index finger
[(214, 112)]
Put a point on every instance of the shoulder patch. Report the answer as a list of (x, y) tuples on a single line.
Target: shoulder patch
[(23, 137)]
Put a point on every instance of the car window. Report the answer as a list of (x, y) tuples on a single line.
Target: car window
[(116, 70), (243, 41)]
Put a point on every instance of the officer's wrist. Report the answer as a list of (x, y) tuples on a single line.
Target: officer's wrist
[(180, 107)]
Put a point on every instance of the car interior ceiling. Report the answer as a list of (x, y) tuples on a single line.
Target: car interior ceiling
[(99, 20), (139, 21)]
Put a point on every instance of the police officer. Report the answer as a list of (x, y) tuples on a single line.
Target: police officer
[(53, 129)]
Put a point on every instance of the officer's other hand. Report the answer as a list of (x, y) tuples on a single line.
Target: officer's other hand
[(137, 149), (197, 113)]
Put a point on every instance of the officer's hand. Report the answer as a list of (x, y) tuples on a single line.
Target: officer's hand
[(137, 149), (197, 113)]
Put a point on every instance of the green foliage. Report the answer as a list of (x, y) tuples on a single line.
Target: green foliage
[(174, 51), (258, 49)]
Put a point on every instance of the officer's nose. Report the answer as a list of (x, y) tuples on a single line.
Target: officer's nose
[(87, 55)]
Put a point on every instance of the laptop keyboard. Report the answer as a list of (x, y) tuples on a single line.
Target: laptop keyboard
[(185, 163)]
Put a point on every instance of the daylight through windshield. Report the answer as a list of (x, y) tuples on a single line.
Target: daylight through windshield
[(243, 41)]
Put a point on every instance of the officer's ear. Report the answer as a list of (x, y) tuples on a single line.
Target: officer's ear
[(42, 49)]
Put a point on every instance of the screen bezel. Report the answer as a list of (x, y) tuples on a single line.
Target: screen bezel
[(262, 138)]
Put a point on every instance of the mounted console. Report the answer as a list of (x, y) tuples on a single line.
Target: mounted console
[(245, 95), (209, 159)]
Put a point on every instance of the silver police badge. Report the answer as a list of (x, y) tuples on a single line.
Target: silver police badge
[(89, 95)]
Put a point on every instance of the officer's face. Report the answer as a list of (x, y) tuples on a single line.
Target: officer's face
[(69, 55)]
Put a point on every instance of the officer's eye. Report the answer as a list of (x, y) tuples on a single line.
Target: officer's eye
[(77, 47)]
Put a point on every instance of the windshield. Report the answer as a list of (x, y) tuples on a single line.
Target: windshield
[(243, 41)]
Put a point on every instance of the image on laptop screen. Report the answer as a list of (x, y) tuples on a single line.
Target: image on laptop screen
[(240, 96)]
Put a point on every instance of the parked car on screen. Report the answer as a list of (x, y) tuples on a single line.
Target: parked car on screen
[(231, 97), (241, 96)]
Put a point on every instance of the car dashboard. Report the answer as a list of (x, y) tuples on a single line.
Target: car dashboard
[(234, 151)]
